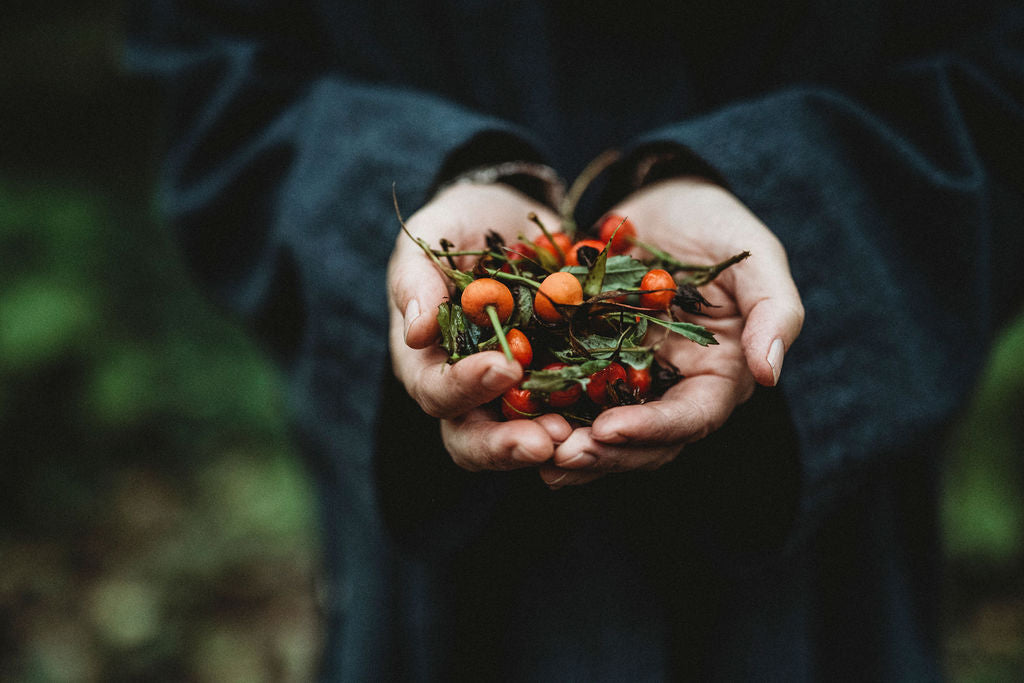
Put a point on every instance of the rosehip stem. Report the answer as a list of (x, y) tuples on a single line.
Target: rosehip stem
[(543, 228), (567, 208), (502, 275), (492, 313), (461, 280), (465, 252), (703, 274), (711, 272), (668, 258)]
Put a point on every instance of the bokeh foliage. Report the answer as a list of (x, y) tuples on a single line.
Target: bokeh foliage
[(983, 518), (157, 522)]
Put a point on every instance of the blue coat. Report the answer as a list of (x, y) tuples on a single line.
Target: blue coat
[(882, 142)]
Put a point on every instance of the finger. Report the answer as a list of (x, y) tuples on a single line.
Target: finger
[(477, 442), (689, 411), (555, 477), (446, 391), (770, 303), (557, 427), (772, 327), (416, 289), (578, 451), (581, 452)]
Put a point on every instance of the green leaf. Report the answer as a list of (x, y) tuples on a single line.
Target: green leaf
[(631, 350), (637, 358), (696, 333), (595, 275), (598, 346), (548, 381), (459, 336), (524, 306)]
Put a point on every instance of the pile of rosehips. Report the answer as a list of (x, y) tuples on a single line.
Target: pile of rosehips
[(574, 314)]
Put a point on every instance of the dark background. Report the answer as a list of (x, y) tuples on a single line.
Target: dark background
[(156, 522)]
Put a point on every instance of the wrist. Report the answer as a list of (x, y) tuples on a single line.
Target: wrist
[(501, 158), (656, 163), (535, 180)]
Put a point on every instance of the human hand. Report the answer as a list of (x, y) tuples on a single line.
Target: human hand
[(757, 318), (473, 435)]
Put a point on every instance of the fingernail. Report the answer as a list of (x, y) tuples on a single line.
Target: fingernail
[(553, 484), (500, 377), (775, 355), (579, 460), (412, 312), (607, 432)]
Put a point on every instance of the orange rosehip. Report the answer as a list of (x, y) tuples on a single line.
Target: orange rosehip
[(484, 292), (572, 256), (663, 288), (557, 289)]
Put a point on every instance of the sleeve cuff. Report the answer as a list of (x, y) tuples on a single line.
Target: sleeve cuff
[(500, 157), (649, 162)]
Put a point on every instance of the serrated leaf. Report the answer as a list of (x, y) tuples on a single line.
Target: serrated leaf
[(638, 358), (631, 350), (589, 346), (548, 381), (695, 333)]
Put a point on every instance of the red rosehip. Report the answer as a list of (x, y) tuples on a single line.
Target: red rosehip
[(597, 387), (565, 397)]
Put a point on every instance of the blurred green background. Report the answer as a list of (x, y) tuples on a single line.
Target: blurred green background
[(157, 524)]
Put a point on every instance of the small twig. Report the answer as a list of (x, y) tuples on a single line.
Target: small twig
[(543, 228), (465, 252), (711, 272), (446, 247), (499, 331), (460, 279), (567, 209), (511, 277)]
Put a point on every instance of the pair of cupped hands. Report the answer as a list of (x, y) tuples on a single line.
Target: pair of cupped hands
[(757, 316)]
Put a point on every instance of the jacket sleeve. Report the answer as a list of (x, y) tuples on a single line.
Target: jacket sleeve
[(284, 147), (900, 202), (280, 159)]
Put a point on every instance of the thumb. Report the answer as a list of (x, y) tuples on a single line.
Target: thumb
[(771, 328), (416, 289), (773, 312)]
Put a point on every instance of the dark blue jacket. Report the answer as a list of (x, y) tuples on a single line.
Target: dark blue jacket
[(883, 143)]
